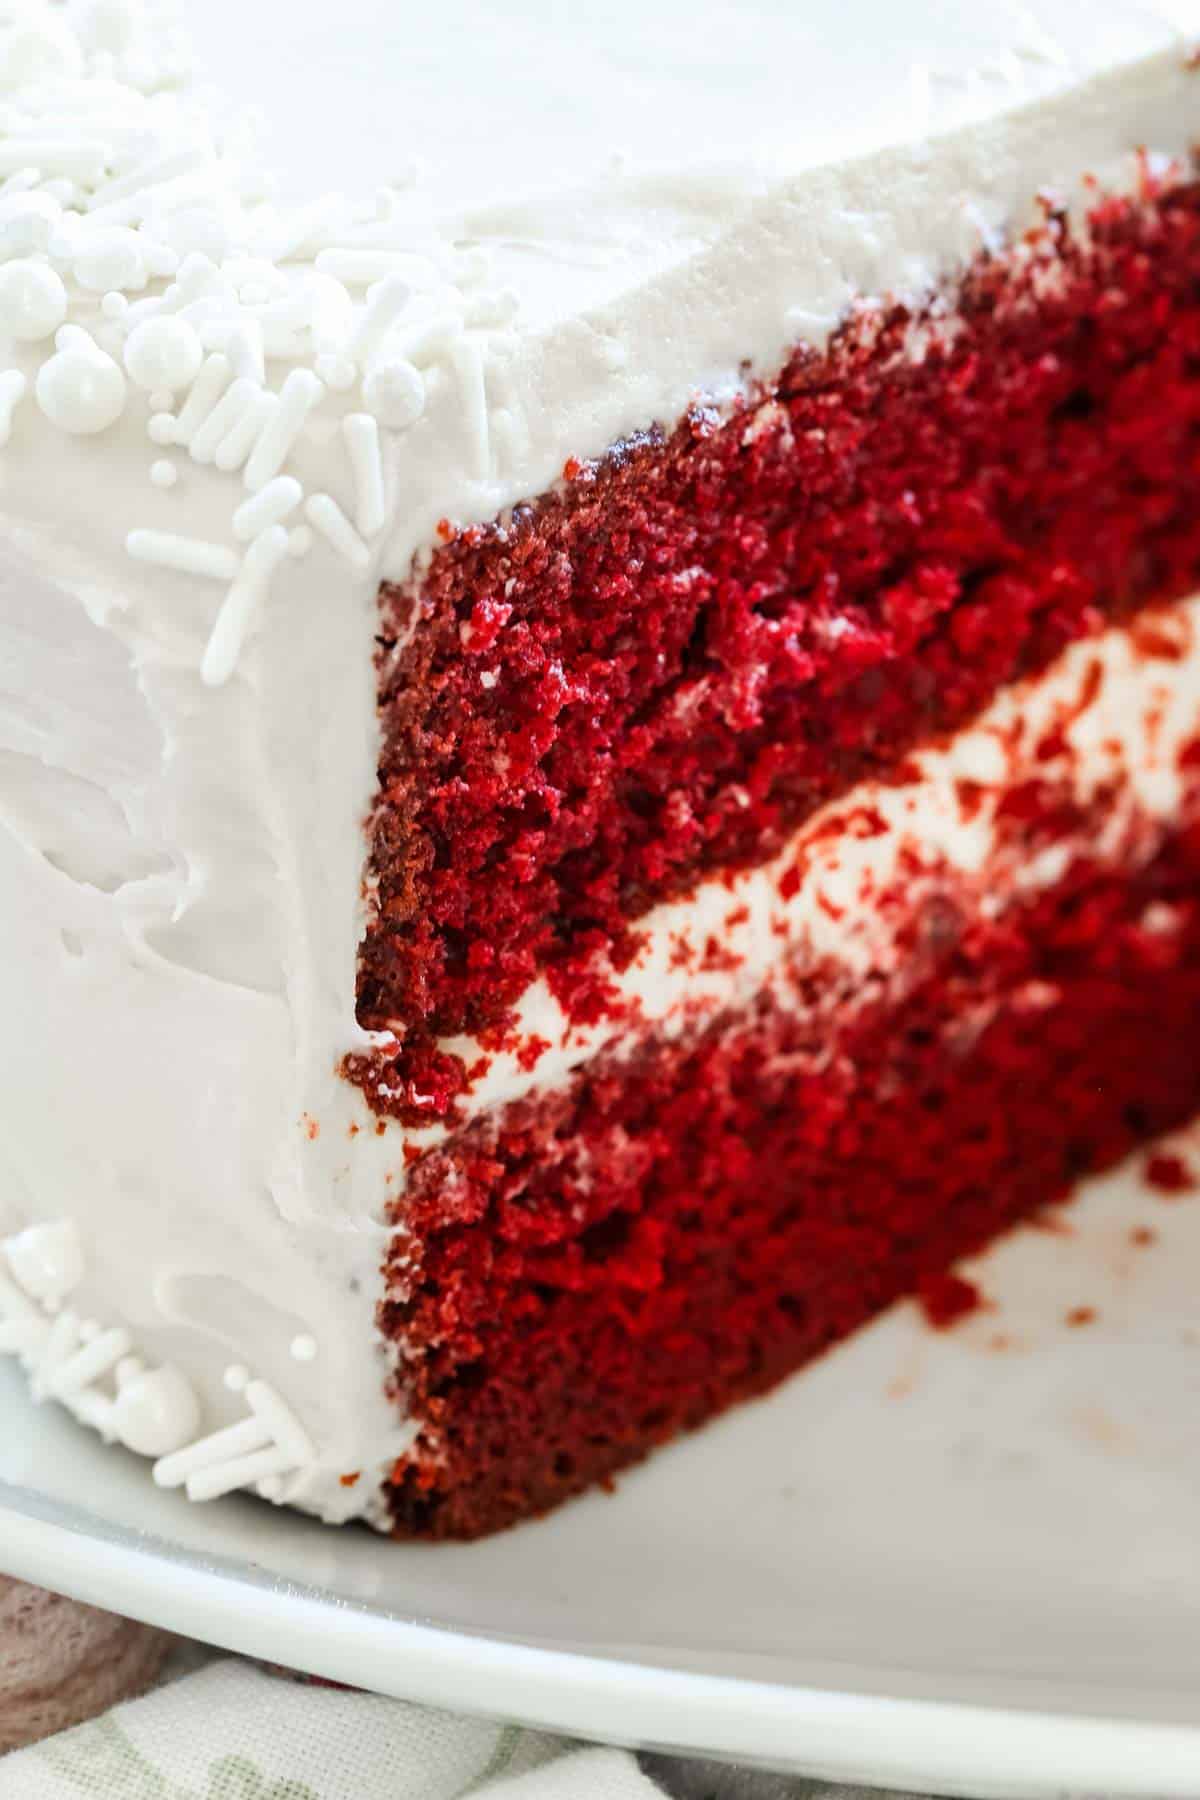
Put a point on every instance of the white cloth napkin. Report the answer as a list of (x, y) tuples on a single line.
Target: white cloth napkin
[(231, 1731)]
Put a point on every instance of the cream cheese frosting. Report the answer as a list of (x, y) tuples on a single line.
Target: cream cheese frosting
[(228, 409)]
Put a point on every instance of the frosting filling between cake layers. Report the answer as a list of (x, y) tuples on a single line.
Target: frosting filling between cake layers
[(1108, 721)]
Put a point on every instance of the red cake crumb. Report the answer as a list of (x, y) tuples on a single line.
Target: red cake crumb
[(586, 1273), (695, 642), (1143, 1236), (1169, 1174), (1081, 1315), (945, 1298)]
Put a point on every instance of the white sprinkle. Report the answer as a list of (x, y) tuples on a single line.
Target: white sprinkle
[(82, 161), (470, 268), (468, 365), (206, 390), (163, 473), (361, 434), (235, 1440), (191, 556), (269, 506), (114, 305), (60, 1345), (431, 339), (488, 678), (95, 1359), (385, 304), (240, 398), (13, 388), (234, 449), (235, 1377), (395, 392), (497, 308), (91, 1408), (241, 606), (281, 1422), (337, 372), (226, 1477), (33, 301), (327, 517), (16, 1303), (161, 429), (304, 1348), (241, 340), (300, 393), (362, 267), (147, 175), (163, 353), (300, 541), (109, 257), (81, 390)]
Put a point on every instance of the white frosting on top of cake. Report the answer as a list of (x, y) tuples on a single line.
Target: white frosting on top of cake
[(225, 414)]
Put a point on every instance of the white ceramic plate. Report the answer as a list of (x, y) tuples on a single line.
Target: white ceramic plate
[(965, 1562)]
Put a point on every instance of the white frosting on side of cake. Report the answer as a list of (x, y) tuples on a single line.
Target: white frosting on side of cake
[(224, 416)]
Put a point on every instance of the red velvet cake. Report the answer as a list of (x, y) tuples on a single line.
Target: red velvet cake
[(698, 830)]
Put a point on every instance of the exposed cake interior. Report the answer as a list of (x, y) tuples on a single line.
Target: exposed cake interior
[(969, 975), (666, 665)]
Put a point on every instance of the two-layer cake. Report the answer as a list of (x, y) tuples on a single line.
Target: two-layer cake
[(599, 747)]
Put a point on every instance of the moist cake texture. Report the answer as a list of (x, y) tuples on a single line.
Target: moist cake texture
[(599, 753)]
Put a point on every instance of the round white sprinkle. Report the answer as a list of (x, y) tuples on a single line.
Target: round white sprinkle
[(236, 1377), (81, 390), (157, 1412), (163, 353), (33, 301), (109, 258), (114, 305), (47, 1260), (300, 541), (163, 473), (395, 393), (161, 429), (304, 1348)]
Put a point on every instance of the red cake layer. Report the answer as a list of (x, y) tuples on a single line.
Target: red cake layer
[(662, 666), (587, 1273)]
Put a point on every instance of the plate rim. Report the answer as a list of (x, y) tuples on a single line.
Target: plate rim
[(935, 1746)]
